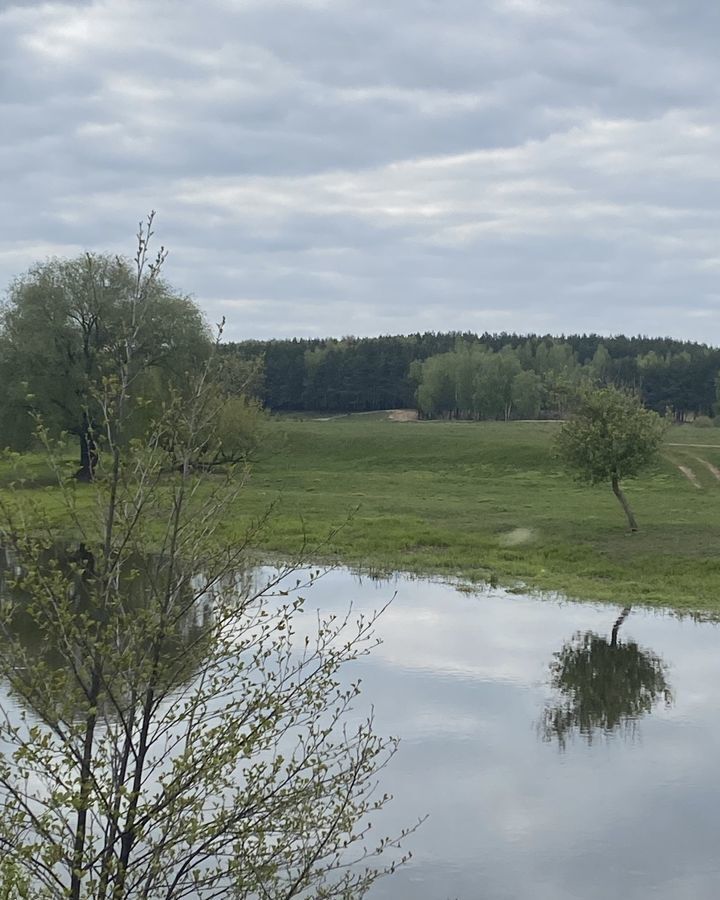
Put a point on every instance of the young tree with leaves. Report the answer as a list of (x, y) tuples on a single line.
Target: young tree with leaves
[(610, 437), (182, 733)]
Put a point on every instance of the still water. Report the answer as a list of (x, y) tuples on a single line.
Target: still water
[(561, 751), (622, 799)]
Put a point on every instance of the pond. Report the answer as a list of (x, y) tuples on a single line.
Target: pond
[(533, 790), (561, 751)]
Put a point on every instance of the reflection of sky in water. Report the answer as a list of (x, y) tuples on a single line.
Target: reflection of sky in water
[(462, 679)]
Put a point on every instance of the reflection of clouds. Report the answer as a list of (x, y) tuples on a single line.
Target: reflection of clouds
[(430, 626), (447, 645), (461, 679)]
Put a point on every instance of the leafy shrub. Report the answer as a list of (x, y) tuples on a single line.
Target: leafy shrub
[(703, 422)]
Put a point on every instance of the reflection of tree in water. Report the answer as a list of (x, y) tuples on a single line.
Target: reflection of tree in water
[(70, 571), (604, 685)]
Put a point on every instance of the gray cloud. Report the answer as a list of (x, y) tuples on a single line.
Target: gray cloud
[(330, 166)]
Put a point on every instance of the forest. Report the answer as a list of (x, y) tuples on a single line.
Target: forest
[(488, 376)]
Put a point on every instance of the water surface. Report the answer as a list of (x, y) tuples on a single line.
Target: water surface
[(562, 751), (627, 807)]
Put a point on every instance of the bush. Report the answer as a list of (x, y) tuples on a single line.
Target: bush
[(703, 422)]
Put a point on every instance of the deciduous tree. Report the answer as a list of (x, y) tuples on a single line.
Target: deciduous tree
[(182, 732), (68, 324), (610, 437)]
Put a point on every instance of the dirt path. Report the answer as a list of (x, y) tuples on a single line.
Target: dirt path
[(690, 475), (394, 415), (710, 467), (402, 415), (708, 446)]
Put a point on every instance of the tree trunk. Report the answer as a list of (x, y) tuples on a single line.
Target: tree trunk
[(83, 801), (88, 452), (616, 627), (622, 499)]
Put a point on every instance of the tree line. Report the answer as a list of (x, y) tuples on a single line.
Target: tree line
[(461, 374)]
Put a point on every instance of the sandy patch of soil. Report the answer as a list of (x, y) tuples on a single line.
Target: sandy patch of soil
[(517, 537), (402, 415)]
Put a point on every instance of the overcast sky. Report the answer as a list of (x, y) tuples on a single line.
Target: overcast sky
[(331, 167)]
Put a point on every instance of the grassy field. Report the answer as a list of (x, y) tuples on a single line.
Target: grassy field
[(487, 501)]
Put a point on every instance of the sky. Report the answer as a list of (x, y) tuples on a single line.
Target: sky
[(337, 167)]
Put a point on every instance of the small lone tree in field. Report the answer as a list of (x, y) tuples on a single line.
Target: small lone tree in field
[(610, 437)]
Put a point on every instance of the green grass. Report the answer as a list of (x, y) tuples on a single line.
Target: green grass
[(486, 501)]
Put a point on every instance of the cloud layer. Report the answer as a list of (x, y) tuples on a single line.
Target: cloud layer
[(335, 166)]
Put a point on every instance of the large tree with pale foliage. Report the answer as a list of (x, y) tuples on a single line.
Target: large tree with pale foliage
[(610, 437)]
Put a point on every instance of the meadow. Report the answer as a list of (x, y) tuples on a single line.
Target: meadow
[(489, 502), (484, 501)]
